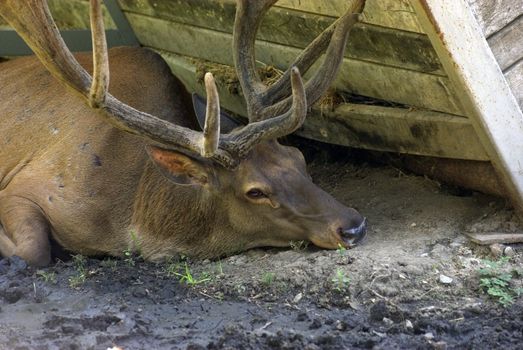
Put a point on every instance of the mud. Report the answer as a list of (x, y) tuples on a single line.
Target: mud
[(385, 294)]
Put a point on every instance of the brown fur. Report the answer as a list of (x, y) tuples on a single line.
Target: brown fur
[(64, 171)]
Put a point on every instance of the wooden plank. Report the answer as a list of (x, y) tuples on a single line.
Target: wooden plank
[(399, 130), (74, 14), (365, 78), (387, 13), (493, 238), (514, 78), (495, 15), (364, 126), (507, 44), (484, 92), (294, 28), (185, 68), (72, 18), (76, 40)]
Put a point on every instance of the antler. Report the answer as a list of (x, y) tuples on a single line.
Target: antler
[(34, 23), (267, 101)]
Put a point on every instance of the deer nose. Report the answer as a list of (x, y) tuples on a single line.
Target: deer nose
[(352, 236)]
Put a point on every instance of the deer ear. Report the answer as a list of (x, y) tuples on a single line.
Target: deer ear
[(179, 168)]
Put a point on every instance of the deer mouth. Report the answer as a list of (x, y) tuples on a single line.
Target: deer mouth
[(353, 236)]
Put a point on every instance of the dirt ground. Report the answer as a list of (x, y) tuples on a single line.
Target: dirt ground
[(416, 283)]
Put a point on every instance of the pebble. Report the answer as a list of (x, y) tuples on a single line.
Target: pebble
[(496, 249), (341, 326), (509, 251), (388, 321), (297, 298), (408, 324), (445, 279), (428, 336), (440, 345)]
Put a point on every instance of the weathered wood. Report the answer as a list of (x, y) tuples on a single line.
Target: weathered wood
[(74, 14), (365, 126), (72, 17), (471, 174), (387, 13), (507, 44), (493, 237), (495, 15), (484, 92), (365, 78), (514, 78), (76, 40), (416, 132), (294, 28)]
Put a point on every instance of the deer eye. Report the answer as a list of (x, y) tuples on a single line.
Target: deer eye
[(255, 193)]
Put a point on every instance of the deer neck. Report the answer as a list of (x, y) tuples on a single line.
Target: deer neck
[(162, 214)]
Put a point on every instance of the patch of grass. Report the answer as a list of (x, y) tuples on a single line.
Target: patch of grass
[(341, 250), (109, 264), (131, 253), (497, 280), (219, 269), (186, 275), (129, 257), (172, 268), (47, 277), (268, 278), (79, 278), (340, 281)]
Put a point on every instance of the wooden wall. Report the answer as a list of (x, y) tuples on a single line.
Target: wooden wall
[(388, 58)]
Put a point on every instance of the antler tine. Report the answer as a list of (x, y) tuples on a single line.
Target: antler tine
[(303, 62), (275, 127), (326, 73), (247, 20), (211, 130), (100, 83)]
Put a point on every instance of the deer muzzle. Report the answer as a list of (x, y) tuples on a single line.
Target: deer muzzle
[(354, 235)]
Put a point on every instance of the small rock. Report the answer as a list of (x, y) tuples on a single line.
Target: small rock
[(408, 324), (445, 279), (496, 249), (341, 326), (379, 334), (428, 336), (388, 321), (440, 345), (297, 298), (509, 251), (413, 224), (302, 316)]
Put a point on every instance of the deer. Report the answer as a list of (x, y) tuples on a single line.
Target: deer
[(99, 171)]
